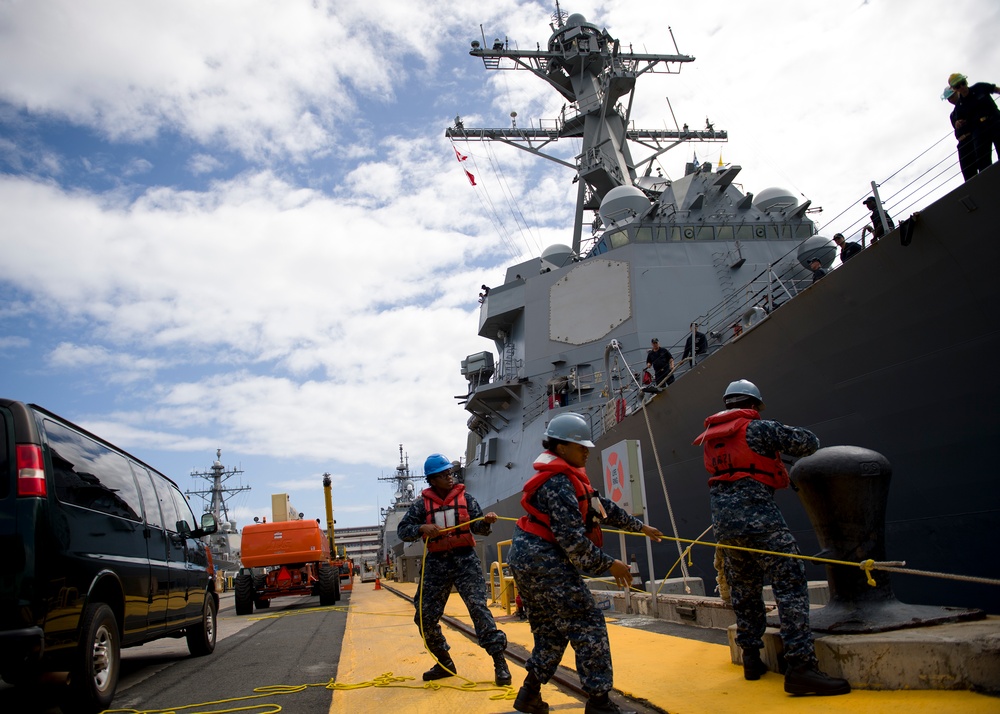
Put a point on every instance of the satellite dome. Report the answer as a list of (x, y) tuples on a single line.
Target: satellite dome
[(575, 20), (622, 204), (775, 199), (557, 255), (816, 247)]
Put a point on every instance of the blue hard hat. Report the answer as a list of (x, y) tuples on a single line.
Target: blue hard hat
[(435, 464), (571, 427)]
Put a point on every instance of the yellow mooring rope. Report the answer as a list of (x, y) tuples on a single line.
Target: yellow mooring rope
[(388, 679)]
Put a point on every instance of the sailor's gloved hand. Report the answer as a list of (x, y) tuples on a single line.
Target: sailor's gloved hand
[(429, 529)]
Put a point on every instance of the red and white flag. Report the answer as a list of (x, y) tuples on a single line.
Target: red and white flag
[(462, 157)]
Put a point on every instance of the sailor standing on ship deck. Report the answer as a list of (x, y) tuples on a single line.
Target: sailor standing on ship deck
[(561, 536), (743, 456), (451, 560)]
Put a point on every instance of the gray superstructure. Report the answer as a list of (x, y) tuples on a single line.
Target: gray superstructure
[(886, 352)]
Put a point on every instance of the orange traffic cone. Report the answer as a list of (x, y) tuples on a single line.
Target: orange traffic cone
[(378, 584)]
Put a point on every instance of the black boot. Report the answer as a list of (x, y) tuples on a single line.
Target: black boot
[(753, 665), (809, 680), (444, 667), (602, 704), (529, 697), (501, 675)]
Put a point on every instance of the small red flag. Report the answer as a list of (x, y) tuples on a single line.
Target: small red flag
[(472, 179), (459, 156)]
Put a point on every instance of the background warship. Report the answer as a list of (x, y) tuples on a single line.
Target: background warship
[(887, 352), (225, 543)]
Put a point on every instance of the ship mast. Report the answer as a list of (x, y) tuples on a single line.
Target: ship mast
[(218, 495), (592, 71), (402, 479)]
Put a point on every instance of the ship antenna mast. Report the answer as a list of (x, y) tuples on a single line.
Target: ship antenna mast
[(218, 495), (596, 79)]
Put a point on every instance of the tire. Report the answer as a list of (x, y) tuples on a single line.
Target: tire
[(259, 583), (94, 674), (201, 637), (329, 585), (244, 592)]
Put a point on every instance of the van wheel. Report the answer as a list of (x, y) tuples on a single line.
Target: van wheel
[(329, 585), (243, 587), (201, 637), (94, 675)]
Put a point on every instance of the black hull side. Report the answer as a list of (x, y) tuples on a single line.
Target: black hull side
[(890, 353)]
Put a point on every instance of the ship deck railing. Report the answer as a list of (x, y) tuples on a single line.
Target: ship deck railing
[(608, 398)]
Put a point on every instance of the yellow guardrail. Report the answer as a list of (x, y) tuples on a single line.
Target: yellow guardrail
[(502, 582)]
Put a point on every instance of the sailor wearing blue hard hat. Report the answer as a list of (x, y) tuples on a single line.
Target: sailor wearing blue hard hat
[(446, 517), (742, 454)]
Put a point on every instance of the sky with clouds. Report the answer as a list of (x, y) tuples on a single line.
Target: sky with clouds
[(239, 225)]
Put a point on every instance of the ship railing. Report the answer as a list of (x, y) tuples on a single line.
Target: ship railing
[(924, 179)]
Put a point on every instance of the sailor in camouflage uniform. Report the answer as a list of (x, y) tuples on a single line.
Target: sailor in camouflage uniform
[(451, 560), (561, 536), (743, 456)]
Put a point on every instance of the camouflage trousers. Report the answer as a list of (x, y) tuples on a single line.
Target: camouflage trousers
[(746, 572), (463, 570), (561, 611)]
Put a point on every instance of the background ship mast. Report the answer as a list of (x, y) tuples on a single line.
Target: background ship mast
[(217, 496), (404, 481)]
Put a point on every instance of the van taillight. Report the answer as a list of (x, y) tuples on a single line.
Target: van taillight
[(30, 471)]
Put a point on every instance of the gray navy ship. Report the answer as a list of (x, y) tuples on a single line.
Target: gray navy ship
[(888, 351), (225, 543)]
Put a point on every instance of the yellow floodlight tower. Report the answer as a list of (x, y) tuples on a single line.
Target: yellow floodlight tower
[(329, 514)]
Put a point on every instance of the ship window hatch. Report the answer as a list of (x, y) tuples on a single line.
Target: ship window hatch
[(618, 239), (644, 234)]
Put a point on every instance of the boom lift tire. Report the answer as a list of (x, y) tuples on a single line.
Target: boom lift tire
[(329, 585), (94, 674), (201, 637), (244, 592)]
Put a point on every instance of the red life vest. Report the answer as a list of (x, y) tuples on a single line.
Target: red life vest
[(446, 512), (591, 511), (727, 456)]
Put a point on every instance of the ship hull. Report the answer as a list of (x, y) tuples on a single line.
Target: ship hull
[(889, 353)]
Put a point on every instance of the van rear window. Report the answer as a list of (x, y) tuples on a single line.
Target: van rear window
[(90, 475)]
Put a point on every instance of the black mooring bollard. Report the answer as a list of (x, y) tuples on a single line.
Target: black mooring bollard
[(845, 490)]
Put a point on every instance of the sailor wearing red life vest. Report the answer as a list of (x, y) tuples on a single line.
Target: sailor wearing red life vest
[(559, 537), (743, 458), (451, 560)]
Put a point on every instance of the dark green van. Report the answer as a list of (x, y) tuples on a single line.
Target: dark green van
[(99, 553)]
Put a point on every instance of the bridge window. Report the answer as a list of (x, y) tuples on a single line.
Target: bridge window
[(618, 239)]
